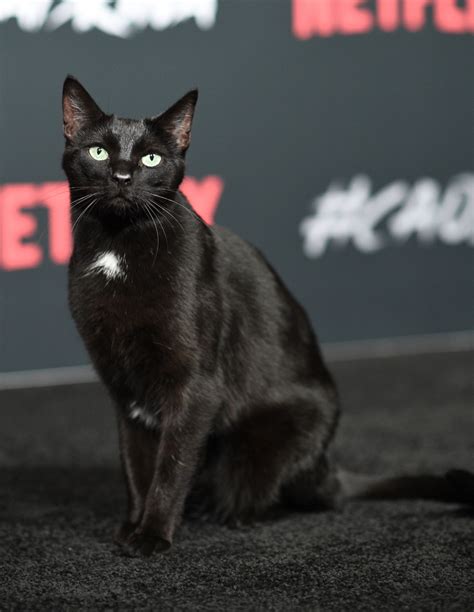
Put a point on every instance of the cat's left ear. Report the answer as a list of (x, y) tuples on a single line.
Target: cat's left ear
[(177, 120), (79, 109)]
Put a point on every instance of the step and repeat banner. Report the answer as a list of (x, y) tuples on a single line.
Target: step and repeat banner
[(336, 135)]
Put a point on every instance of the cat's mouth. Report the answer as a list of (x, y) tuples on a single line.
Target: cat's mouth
[(120, 199)]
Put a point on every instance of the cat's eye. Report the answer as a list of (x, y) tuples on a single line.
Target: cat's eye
[(98, 153), (151, 160)]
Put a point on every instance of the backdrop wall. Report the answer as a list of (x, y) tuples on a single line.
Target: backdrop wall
[(336, 136)]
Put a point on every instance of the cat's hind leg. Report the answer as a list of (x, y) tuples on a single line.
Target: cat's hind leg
[(315, 487), (264, 449)]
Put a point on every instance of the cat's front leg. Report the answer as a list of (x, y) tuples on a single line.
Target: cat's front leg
[(181, 440), (138, 450)]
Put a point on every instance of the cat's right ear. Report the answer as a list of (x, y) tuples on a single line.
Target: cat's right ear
[(79, 108)]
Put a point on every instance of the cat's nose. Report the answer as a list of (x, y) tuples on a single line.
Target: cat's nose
[(122, 178)]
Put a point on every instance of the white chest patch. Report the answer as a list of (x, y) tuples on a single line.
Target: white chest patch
[(110, 264), (137, 413)]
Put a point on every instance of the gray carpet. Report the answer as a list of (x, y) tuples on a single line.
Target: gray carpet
[(61, 496)]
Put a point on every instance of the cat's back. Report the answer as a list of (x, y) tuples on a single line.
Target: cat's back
[(244, 272), (249, 274), (256, 298)]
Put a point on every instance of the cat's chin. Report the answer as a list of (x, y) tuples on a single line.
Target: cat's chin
[(116, 209), (119, 204)]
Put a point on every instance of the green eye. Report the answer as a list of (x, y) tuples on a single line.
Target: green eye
[(98, 153), (151, 160)]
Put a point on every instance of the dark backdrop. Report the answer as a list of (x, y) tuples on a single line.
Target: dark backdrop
[(285, 116)]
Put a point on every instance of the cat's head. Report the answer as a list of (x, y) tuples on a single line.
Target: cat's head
[(122, 161)]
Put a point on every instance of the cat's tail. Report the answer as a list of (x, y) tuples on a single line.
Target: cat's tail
[(455, 486)]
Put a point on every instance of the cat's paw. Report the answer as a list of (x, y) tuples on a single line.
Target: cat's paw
[(143, 542), (463, 481), (124, 532), (237, 523), (234, 520)]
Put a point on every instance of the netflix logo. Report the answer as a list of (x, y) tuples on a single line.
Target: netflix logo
[(19, 221), (347, 17)]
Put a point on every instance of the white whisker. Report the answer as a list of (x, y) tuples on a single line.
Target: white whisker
[(83, 213), (156, 230)]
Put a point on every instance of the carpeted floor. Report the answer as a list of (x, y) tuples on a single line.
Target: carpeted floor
[(61, 496)]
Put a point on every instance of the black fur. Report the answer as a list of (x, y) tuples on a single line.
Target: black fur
[(220, 388)]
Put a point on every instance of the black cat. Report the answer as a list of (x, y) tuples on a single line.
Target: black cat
[(220, 388)]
